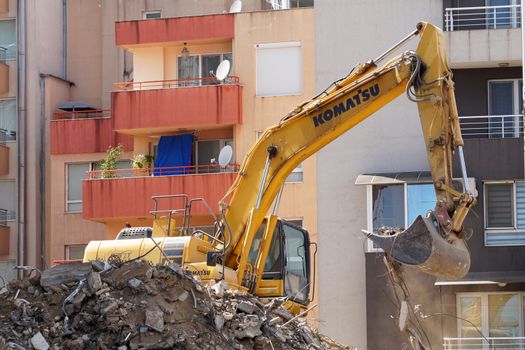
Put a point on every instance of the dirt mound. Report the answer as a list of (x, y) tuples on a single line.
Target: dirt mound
[(137, 306)]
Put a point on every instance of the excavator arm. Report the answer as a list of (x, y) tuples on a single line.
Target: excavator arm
[(426, 79)]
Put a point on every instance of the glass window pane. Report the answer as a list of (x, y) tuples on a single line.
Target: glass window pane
[(296, 175), (499, 198), (8, 38), (76, 252), (75, 174), (8, 195), (296, 269), (74, 207), (188, 69), (210, 64), (470, 314), (421, 198), (388, 206), (503, 315), (8, 118), (208, 150)]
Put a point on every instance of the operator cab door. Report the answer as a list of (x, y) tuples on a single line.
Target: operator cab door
[(288, 261)]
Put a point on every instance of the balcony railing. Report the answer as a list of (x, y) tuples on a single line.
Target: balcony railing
[(175, 83), (503, 343), (3, 54), (91, 114), (491, 126), (6, 216), (483, 17), (161, 171)]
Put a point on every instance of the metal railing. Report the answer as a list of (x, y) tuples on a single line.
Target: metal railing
[(91, 114), (175, 83), (491, 126), (500, 343), (482, 17), (161, 171)]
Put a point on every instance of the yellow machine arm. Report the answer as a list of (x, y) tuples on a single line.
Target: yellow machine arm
[(426, 78)]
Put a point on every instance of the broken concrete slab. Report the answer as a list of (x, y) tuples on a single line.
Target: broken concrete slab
[(39, 342), (64, 273), (155, 320)]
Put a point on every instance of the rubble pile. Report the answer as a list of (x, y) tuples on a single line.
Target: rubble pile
[(137, 306)]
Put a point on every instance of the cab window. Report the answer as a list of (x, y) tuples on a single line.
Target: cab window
[(297, 269)]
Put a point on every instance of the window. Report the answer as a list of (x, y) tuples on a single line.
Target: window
[(200, 66), (8, 199), (8, 118), (278, 69), (75, 174), (208, 150), (505, 105), (75, 252), (151, 14), (287, 4), (506, 15), (296, 266), (8, 38), (492, 315), (504, 213), (397, 205)]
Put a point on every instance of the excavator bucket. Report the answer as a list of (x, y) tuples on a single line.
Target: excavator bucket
[(424, 247)]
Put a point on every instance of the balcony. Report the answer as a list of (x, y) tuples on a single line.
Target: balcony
[(4, 153), (491, 126), (4, 232), (168, 105), (487, 343), (484, 36), (89, 131), (162, 30), (126, 193)]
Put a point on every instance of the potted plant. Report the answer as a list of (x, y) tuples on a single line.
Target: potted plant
[(109, 164), (142, 164)]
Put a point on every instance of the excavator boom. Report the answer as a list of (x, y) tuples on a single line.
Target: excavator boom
[(426, 78)]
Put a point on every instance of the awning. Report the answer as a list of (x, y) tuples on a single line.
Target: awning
[(394, 178), (75, 106), (489, 277)]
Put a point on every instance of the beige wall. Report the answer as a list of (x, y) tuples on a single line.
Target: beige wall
[(299, 199)]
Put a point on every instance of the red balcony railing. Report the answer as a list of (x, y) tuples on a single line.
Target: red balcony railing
[(174, 83), (161, 171)]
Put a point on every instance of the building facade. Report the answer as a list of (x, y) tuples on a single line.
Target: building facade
[(145, 80), (483, 309)]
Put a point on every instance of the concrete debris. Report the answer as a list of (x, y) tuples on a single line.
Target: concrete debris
[(39, 342), (134, 305)]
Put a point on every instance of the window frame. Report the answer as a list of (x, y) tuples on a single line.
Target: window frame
[(500, 230), (148, 12), (275, 45), (222, 143), (199, 55), (15, 139), (485, 327), (370, 210), (516, 108), (68, 246)]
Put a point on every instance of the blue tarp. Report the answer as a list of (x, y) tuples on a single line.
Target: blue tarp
[(173, 151)]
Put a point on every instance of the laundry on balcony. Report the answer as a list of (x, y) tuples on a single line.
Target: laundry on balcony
[(173, 154)]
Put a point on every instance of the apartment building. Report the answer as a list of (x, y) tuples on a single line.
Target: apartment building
[(30, 54), (144, 77), (483, 310)]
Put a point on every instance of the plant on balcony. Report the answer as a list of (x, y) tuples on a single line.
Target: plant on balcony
[(109, 164), (142, 164)]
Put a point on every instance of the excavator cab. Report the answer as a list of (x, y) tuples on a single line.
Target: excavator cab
[(286, 268)]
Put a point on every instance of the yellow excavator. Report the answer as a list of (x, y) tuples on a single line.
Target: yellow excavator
[(269, 257)]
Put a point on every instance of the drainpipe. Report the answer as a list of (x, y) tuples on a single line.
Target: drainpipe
[(42, 172), (21, 64), (64, 39)]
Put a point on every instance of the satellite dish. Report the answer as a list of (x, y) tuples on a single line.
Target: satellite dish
[(225, 156), (222, 71), (236, 6)]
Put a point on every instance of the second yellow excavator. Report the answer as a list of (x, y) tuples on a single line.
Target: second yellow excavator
[(269, 257)]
